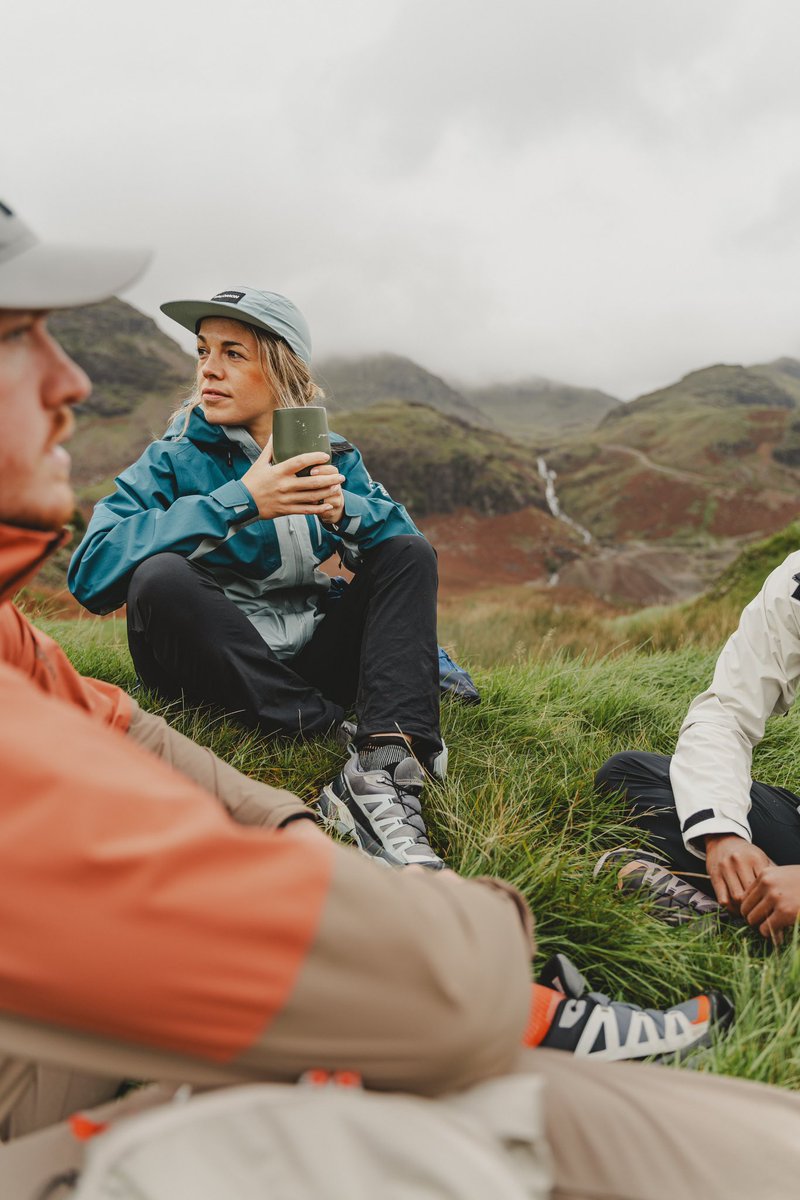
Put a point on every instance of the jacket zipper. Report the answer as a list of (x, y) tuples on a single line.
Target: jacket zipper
[(298, 559)]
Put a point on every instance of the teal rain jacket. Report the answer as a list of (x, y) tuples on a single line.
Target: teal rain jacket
[(184, 495)]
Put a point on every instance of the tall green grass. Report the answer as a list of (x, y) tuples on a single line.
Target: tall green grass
[(519, 803)]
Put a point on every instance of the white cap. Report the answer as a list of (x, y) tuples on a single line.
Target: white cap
[(34, 275)]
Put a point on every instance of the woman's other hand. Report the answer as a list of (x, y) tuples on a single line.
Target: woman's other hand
[(278, 492), (335, 501)]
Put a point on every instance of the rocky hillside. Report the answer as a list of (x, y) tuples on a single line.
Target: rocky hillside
[(536, 409), (139, 376)]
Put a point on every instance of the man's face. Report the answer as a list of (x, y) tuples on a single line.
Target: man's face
[(38, 383)]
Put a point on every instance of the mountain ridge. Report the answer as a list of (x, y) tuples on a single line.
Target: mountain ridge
[(356, 383), (541, 409)]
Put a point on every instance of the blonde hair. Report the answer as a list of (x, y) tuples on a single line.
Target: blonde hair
[(284, 371)]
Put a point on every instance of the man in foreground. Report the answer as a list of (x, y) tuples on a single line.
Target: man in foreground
[(736, 841), (147, 935)]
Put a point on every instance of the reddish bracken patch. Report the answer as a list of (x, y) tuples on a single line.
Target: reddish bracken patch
[(521, 547), (753, 511), (655, 505)]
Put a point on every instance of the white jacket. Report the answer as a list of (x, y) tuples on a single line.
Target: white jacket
[(756, 676)]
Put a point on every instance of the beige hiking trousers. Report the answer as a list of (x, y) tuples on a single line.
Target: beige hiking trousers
[(248, 801), (618, 1131)]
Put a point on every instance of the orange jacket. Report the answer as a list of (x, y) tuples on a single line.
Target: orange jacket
[(134, 910), (38, 657)]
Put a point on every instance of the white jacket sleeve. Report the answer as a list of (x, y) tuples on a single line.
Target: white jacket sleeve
[(755, 677)]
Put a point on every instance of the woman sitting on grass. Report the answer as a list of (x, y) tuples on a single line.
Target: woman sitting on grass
[(216, 551)]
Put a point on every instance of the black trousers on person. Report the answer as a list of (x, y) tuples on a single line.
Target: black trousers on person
[(643, 780), (375, 650)]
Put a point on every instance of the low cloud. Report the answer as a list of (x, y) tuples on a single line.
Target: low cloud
[(603, 193)]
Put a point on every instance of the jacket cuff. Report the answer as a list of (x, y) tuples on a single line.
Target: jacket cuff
[(517, 898), (300, 813), (697, 827), (350, 521), (235, 495)]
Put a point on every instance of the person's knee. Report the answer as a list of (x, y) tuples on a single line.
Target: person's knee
[(416, 550), (614, 774), (157, 579)]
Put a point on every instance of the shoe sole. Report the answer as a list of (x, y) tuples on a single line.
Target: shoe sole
[(715, 1021), (614, 856), (721, 1014)]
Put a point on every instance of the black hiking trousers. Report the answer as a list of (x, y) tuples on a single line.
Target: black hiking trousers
[(643, 781), (375, 650)]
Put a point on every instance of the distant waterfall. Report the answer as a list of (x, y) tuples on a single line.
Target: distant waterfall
[(549, 478)]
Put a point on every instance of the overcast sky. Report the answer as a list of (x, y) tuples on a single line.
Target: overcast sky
[(601, 191)]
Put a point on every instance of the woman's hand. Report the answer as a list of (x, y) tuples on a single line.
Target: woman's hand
[(278, 492)]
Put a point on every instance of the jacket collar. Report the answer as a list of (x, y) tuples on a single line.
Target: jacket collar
[(211, 437), (22, 552), (197, 430)]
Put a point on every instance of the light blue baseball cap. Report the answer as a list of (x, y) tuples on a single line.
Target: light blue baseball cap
[(265, 310)]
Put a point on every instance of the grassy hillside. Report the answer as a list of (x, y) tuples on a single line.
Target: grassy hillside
[(541, 409), (712, 456), (740, 582), (519, 803), (434, 463)]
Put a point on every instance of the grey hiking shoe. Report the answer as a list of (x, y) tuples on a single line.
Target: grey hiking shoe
[(381, 812), (674, 901), (436, 766)]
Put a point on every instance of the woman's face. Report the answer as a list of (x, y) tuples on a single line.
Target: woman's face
[(232, 383)]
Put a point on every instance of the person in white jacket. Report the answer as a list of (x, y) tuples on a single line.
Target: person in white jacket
[(702, 804)]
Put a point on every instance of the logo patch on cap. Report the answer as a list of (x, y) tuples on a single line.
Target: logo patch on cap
[(229, 297)]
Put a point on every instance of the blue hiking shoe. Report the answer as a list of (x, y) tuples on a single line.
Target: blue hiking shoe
[(455, 681)]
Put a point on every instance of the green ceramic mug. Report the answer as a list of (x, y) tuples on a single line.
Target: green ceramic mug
[(299, 431)]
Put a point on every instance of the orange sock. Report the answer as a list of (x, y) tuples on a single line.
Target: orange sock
[(544, 1002)]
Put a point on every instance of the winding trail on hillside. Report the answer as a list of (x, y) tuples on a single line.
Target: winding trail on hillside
[(672, 472)]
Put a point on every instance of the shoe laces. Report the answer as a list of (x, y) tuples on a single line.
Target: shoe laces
[(408, 782)]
